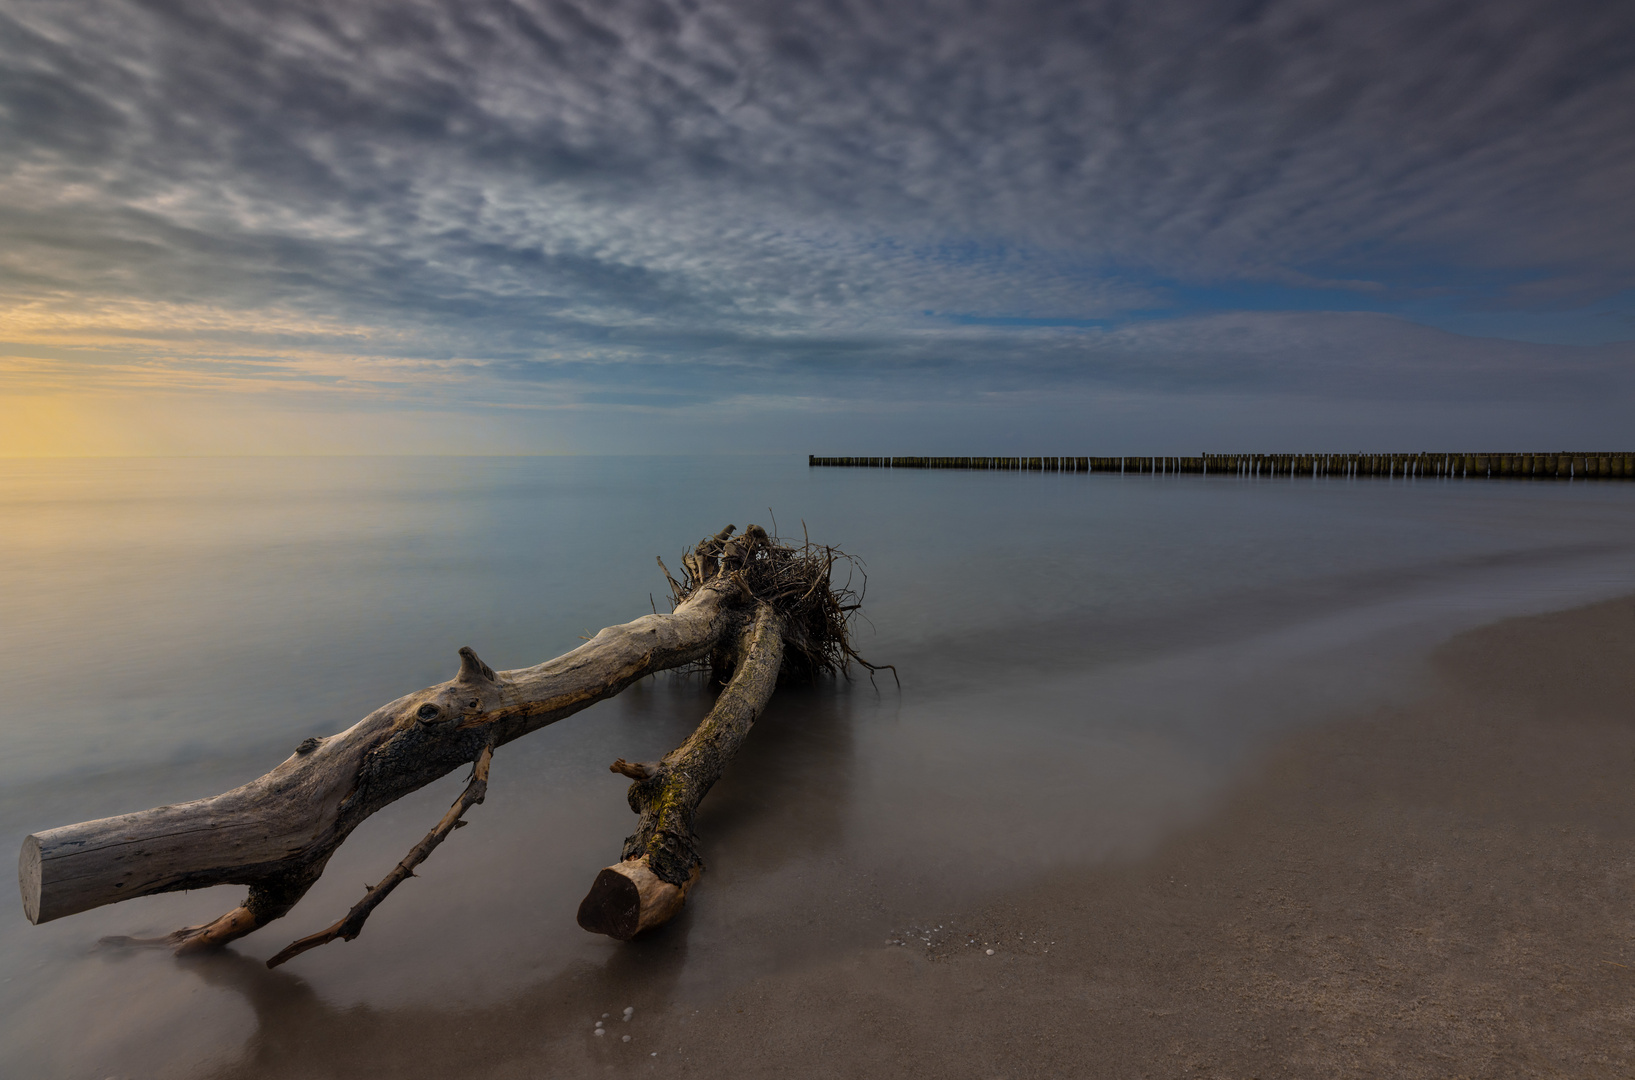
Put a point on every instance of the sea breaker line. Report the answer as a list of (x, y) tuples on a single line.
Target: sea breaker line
[(1563, 465)]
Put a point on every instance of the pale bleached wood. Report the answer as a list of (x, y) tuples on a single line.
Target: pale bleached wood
[(627, 899), (276, 833)]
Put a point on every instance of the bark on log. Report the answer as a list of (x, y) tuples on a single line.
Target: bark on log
[(660, 861), (275, 833)]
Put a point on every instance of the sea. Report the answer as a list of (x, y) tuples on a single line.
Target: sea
[(1085, 664)]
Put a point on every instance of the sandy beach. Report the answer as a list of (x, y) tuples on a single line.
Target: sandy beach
[(1437, 890), (964, 539)]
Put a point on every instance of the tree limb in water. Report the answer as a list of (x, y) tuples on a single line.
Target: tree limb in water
[(276, 833), (660, 861)]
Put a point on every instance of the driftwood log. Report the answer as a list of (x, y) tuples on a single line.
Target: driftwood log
[(660, 861), (750, 607)]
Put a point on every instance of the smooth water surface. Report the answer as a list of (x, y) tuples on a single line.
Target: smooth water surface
[(1085, 662)]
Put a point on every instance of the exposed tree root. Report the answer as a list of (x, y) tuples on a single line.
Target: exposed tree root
[(795, 580)]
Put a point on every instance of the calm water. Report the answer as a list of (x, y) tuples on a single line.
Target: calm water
[(1085, 662)]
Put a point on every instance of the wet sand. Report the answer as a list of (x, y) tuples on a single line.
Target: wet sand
[(1442, 889)]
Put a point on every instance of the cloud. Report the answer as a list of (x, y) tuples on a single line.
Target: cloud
[(656, 204)]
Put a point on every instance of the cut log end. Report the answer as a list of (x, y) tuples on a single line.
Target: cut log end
[(28, 878), (627, 899)]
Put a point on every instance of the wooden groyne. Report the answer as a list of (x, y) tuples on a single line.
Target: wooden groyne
[(1564, 465)]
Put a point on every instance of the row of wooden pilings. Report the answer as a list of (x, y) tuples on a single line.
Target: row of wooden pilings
[(1015, 464), (1577, 465), (1558, 466)]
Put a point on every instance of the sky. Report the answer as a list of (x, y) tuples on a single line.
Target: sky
[(815, 226)]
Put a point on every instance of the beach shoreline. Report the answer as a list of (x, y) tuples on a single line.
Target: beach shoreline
[(1435, 889)]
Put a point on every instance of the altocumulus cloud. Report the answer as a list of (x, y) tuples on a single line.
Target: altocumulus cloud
[(809, 207)]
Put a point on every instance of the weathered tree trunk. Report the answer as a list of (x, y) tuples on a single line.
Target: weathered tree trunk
[(743, 598), (660, 861), (275, 833)]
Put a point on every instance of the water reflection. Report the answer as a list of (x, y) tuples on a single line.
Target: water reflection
[(787, 794), (783, 802), (546, 1026)]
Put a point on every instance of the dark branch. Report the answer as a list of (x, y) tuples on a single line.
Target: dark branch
[(351, 926)]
